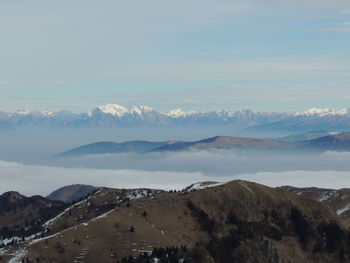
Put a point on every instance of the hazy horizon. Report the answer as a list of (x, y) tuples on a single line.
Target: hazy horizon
[(275, 56)]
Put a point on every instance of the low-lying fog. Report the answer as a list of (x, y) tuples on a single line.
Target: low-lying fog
[(176, 170), (213, 163), (25, 166), (32, 179)]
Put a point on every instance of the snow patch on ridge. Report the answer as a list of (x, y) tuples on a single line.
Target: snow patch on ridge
[(202, 185), (344, 209), (322, 112), (17, 255)]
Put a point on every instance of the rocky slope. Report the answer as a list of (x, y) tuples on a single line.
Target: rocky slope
[(337, 200)]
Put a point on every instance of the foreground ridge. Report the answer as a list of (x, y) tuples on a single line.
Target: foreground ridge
[(206, 222)]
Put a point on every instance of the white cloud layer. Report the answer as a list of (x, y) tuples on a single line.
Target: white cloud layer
[(35, 179), (32, 180)]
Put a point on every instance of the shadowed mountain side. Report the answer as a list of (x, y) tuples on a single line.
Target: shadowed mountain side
[(72, 193), (112, 147), (22, 216), (338, 142)]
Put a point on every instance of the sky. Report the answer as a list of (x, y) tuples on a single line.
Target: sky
[(197, 55)]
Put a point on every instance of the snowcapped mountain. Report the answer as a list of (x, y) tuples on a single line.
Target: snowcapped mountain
[(40, 118), (112, 109), (179, 113), (313, 119), (116, 116), (314, 112)]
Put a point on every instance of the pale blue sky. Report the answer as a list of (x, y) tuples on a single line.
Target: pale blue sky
[(263, 55)]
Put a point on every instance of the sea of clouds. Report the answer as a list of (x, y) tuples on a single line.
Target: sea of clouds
[(177, 170)]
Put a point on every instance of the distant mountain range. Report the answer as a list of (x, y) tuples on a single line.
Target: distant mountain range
[(337, 142), (218, 142), (313, 119), (116, 116)]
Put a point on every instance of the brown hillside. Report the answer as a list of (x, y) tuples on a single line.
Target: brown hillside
[(234, 222)]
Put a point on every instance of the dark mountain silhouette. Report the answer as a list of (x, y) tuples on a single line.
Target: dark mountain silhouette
[(112, 147), (338, 142)]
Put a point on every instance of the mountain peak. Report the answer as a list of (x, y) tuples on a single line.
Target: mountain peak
[(113, 109), (12, 196)]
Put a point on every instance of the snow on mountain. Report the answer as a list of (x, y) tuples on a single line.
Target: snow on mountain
[(34, 112), (114, 116), (179, 113), (322, 112), (39, 118), (113, 109), (142, 110), (306, 121)]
